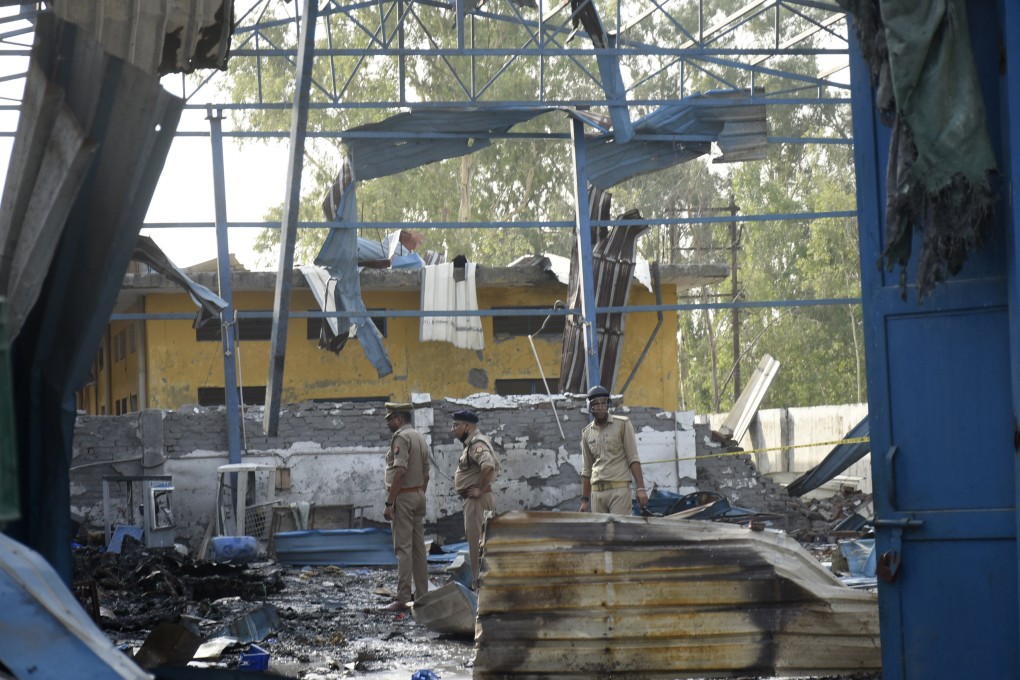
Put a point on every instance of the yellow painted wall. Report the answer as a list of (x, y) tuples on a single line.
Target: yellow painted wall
[(122, 363), (177, 365)]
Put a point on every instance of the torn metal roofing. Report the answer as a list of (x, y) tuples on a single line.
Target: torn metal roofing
[(210, 304), (613, 256), (378, 150), (132, 120), (840, 458), (157, 37), (582, 595), (676, 134), (672, 135)]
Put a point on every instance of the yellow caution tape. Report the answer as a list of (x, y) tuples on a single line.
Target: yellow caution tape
[(851, 440)]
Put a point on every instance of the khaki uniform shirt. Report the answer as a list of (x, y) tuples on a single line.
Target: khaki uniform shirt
[(408, 450), (478, 454), (609, 450)]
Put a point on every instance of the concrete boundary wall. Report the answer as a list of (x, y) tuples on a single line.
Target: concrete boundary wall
[(333, 454), (789, 433)]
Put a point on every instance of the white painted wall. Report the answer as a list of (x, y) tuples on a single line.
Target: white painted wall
[(530, 478), (810, 433)]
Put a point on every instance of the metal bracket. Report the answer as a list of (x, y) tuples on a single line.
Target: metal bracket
[(888, 564), (890, 475)]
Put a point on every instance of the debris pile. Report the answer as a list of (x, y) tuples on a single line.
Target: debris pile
[(321, 622)]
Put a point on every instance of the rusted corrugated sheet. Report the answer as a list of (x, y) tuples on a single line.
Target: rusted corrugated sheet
[(572, 595), (613, 255), (157, 37)]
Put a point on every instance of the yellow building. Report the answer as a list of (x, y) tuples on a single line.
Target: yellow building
[(166, 363)]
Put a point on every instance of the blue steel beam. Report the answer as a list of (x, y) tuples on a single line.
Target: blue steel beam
[(227, 321), (562, 224), (586, 268), (563, 311), (546, 38), (291, 210)]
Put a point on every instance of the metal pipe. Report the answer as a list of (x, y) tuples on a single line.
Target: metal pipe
[(227, 321)]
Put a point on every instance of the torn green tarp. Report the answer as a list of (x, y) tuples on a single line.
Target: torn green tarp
[(941, 161)]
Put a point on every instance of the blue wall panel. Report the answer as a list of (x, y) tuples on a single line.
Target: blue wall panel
[(940, 385)]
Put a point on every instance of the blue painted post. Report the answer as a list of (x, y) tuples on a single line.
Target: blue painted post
[(227, 319), (585, 267), (291, 214)]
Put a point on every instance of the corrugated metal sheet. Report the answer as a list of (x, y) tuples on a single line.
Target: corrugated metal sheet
[(157, 37), (572, 595), (673, 134), (210, 304), (132, 119), (730, 118), (613, 257)]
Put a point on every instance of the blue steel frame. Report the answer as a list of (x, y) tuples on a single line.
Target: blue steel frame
[(405, 31)]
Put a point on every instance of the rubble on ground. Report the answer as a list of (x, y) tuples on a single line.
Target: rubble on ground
[(327, 621)]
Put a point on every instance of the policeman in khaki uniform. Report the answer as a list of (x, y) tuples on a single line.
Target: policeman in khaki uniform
[(610, 458), (407, 478), (476, 471)]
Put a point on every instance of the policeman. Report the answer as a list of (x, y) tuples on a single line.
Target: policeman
[(476, 471), (610, 458), (407, 478)]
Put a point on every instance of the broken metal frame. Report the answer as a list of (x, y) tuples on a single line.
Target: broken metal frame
[(400, 31), (705, 51)]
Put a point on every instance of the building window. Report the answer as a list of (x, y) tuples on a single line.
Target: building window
[(131, 337), (351, 400), (123, 406), (314, 325), (525, 386), (134, 403), (247, 329), (507, 326), (120, 346), (217, 396)]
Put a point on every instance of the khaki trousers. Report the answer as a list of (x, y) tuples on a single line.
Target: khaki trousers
[(474, 518), (612, 501), (409, 545)]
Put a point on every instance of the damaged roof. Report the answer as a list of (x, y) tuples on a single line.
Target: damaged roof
[(673, 134), (157, 37), (537, 275)]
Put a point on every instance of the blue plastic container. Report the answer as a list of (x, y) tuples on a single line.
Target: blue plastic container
[(236, 549), (255, 659)]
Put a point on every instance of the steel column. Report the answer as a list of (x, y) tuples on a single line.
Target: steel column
[(228, 322), (585, 267), (291, 210)]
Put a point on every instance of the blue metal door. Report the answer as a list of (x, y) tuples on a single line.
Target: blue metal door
[(942, 417)]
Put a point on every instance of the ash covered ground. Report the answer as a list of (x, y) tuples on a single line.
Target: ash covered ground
[(327, 624)]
